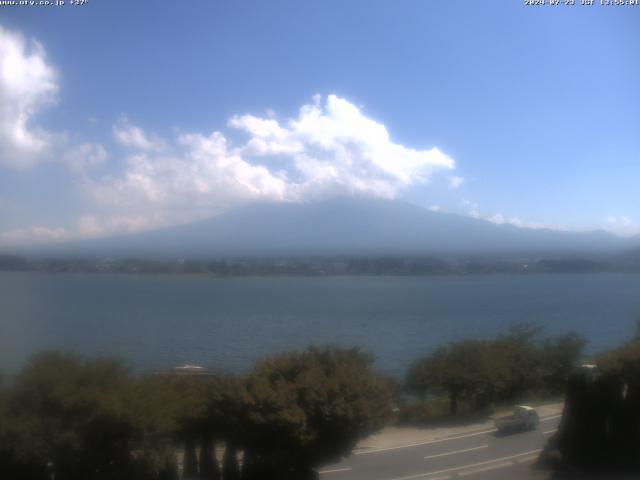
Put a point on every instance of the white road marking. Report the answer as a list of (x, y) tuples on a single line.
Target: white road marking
[(552, 417), (527, 459), (430, 442), (466, 467), (456, 451), (335, 470), (550, 431)]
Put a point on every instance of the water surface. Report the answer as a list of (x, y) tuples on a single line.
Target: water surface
[(227, 323)]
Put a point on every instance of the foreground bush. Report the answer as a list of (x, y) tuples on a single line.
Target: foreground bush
[(600, 427), (69, 418), (308, 408)]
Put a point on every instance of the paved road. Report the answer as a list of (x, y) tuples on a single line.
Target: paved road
[(476, 455)]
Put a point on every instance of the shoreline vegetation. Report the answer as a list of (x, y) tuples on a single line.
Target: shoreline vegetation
[(78, 418), (392, 265)]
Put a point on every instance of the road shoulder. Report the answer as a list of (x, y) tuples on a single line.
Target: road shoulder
[(395, 437)]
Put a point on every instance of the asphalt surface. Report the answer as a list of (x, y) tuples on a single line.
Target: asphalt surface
[(476, 455)]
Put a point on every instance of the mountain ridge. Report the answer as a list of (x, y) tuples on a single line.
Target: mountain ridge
[(343, 226)]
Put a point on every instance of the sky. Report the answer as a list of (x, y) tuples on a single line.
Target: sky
[(124, 116)]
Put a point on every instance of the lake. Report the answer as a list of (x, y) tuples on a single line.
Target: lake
[(157, 322)]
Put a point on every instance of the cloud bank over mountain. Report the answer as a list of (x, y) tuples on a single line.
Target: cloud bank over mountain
[(116, 175), (344, 226), (331, 148)]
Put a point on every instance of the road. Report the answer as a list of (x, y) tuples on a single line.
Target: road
[(475, 455)]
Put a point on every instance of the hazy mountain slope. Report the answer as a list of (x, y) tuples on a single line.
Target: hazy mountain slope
[(345, 226)]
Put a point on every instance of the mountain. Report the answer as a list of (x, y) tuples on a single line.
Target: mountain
[(360, 226)]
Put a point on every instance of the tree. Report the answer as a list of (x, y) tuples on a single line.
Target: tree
[(18, 457), (194, 411), (225, 410), (307, 408), (230, 470), (191, 392), (521, 347), (155, 408), (559, 358), (514, 364), (624, 364), (208, 466), (472, 370), (90, 419), (600, 426), (72, 414)]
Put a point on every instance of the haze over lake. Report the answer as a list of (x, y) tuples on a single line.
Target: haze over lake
[(158, 322)]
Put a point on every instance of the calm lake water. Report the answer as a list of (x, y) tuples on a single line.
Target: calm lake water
[(160, 321)]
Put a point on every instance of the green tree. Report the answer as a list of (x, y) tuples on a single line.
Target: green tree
[(469, 370), (193, 411), (230, 469), (623, 361), (477, 372), (600, 427), (538, 363), (524, 356), (226, 407), (73, 415), (559, 358), (306, 408)]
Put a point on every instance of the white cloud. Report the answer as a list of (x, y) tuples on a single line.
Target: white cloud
[(27, 85), (93, 226), (498, 218), (622, 225), (33, 235), (85, 156), (619, 221), (522, 224), (88, 226), (473, 209), (456, 182), (329, 148), (435, 208), (334, 147), (204, 179), (134, 137)]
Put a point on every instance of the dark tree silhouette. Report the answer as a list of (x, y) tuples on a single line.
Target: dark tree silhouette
[(307, 408), (209, 468), (600, 426), (190, 460), (230, 468)]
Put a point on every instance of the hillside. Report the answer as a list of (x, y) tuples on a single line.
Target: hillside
[(344, 227)]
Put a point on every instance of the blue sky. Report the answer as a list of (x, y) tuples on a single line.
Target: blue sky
[(123, 116)]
